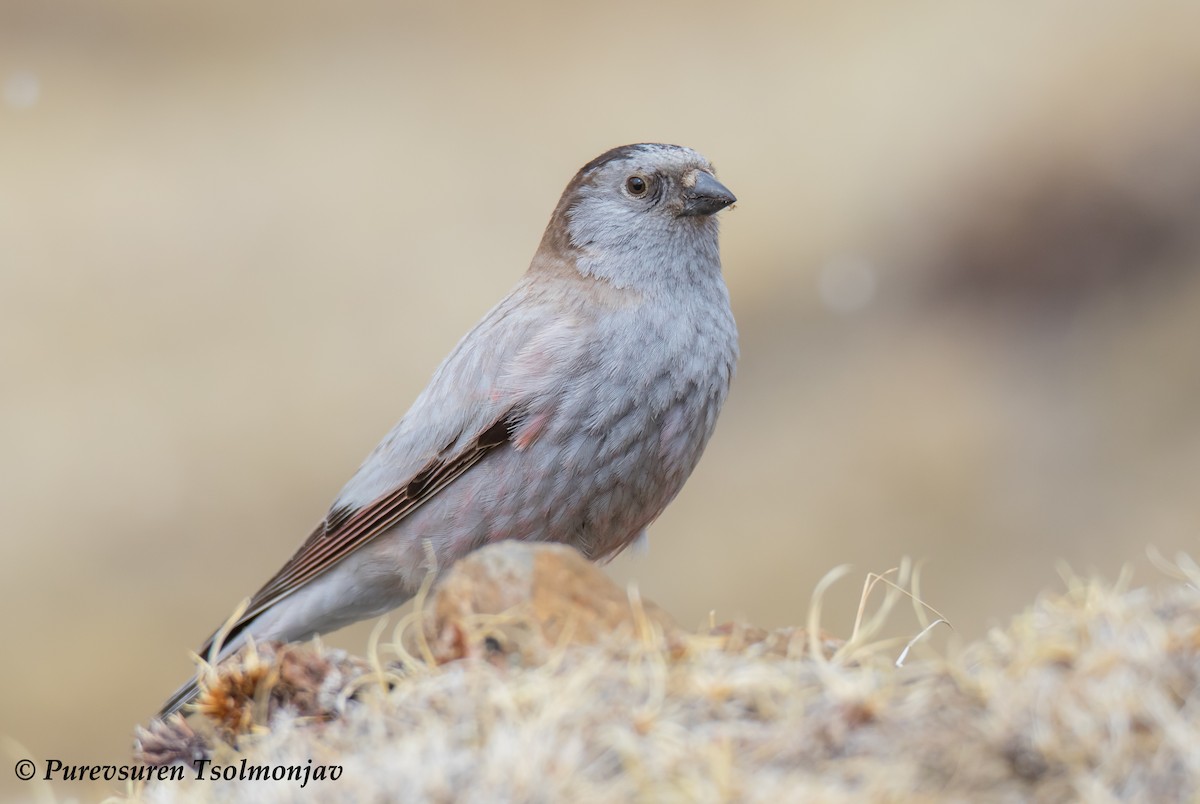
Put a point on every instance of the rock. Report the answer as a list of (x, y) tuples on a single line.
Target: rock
[(515, 603)]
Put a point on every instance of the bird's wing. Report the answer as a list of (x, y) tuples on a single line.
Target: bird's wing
[(343, 531), (491, 390)]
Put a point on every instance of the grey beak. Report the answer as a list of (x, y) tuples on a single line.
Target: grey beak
[(707, 197)]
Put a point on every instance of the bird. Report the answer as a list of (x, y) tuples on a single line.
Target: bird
[(573, 412)]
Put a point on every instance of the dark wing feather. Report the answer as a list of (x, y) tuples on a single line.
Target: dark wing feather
[(345, 530), (342, 533)]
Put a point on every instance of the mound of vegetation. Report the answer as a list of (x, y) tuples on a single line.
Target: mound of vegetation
[(527, 675)]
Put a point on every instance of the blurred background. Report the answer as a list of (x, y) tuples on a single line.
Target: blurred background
[(235, 240)]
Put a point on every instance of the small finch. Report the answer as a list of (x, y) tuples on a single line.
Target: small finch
[(573, 412)]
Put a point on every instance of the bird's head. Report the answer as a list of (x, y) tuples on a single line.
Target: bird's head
[(636, 206)]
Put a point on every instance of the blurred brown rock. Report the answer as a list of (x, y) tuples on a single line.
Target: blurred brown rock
[(515, 603)]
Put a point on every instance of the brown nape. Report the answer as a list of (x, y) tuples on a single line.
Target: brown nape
[(556, 240)]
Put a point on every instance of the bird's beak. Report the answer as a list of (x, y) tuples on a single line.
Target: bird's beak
[(706, 197)]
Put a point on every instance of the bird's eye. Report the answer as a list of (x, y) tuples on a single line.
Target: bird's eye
[(637, 186)]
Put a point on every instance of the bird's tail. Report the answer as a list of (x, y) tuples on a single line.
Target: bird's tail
[(182, 696)]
